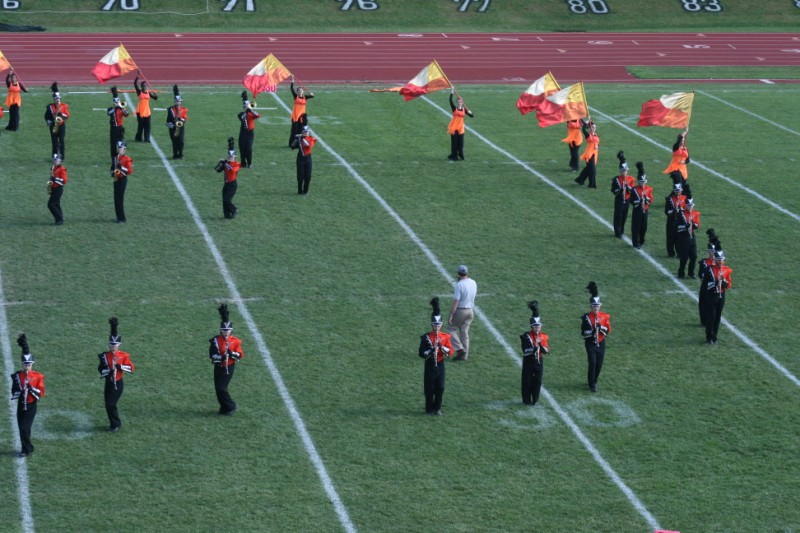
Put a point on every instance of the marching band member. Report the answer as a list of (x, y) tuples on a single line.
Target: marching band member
[(672, 208), (434, 347), (641, 198), (144, 94), (13, 99), (247, 130), (300, 97), (574, 140), (680, 156), (534, 346), (113, 364), (456, 126), (55, 188), (231, 168), (116, 116), (121, 169), (27, 388), (621, 187), (304, 143), (590, 154), (713, 246), (56, 116), (716, 281), (595, 327), (224, 350), (686, 243), (177, 115)]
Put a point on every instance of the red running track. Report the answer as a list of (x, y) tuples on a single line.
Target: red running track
[(385, 58)]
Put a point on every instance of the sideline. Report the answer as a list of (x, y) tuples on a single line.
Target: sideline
[(23, 491), (562, 413), (288, 401)]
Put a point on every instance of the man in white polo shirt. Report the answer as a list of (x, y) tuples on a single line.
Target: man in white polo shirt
[(461, 313)]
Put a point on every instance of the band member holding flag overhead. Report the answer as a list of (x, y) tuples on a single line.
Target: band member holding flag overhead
[(13, 99), (27, 388), (177, 115), (144, 94), (56, 116), (434, 347), (301, 97), (456, 127), (113, 364)]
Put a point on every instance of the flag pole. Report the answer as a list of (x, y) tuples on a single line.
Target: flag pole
[(554, 80), (458, 94), (583, 93), (11, 68)]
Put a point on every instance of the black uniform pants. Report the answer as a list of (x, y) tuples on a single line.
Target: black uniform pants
[(246, 138), (574, 155), (433, 383), (57, 141), (25, 423), (701, 303), (54, 204), (142, 128), (112, 394), (595, 353), (115, 134), (672, 235), (119, 198), (456, 146), (176, 135), (303, 172), (620, 214), (713, 314), (687, 252), (222, 378), (589, 172), (532, 371), (638, 227), (228, 192), (13, 118)]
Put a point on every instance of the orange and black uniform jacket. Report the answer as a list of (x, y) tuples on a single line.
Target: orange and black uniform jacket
[(231, 170), (34, 382), (428, 344), (531, 340), (642, 197), (58, 176), (599, 325), (110, 360), (220, 346), (123, 167)]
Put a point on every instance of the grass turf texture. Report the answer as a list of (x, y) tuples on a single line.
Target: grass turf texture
[(339, 293), (394, 15)]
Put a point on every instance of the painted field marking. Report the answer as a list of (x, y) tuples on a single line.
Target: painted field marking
[(711, 171), (562, 413), (283, 390), (743, 110), (658, 266), (23, 492)]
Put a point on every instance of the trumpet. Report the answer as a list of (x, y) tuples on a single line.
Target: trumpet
[(252, 105), (123, 103)]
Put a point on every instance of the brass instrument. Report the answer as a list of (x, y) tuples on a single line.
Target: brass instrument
[(178, 125), (252, 105), (49, 187)]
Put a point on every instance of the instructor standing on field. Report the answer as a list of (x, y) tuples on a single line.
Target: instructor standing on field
[(461, 313)]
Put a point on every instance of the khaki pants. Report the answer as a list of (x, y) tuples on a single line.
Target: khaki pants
[(459, 329)]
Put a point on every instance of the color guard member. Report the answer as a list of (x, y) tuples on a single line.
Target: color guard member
[(621, 187), (113, 364), (574, 140), (13, 99), (231, 168), (247, 130), (116, 116), (534, 347), (144, 94), (595, 326), (641, 198), (27, 388), (177, 115), (434, 347), (56, 116), (590, 155), (456, 127), (300, 98), (55, 188), (224, 350), (680, 156), (121, 169)]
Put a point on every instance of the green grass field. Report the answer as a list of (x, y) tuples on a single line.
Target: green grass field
[(705, 438)]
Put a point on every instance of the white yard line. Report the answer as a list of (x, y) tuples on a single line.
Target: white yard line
[(21, 466), (288, 401), (562, 413)]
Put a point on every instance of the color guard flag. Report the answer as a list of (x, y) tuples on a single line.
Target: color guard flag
[(567, 104), (536, 93), (4, 64), (429, 79), (114, 64), (266, 76), (669, 111)]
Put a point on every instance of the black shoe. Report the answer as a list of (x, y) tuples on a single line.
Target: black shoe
[(452, 157), (230, 413), (59, 222), (593, 388), (681, 275), (691, 276), (438, 413), (113, 430), (578, 181), (461, 157)]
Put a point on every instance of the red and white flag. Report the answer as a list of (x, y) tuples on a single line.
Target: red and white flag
[(265, 77), (536, 93), (670, 111), (114, 64), (4, 64), (564, 105)]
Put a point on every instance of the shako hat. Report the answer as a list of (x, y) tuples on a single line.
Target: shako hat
[(177, 93), (641, 177), (54, 88), (115, 94), (594, 301), (245, 101), (114, 338), (436, 315), (536, 320), (26, 357), (225, 322), (231, 150), (622, 164)]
